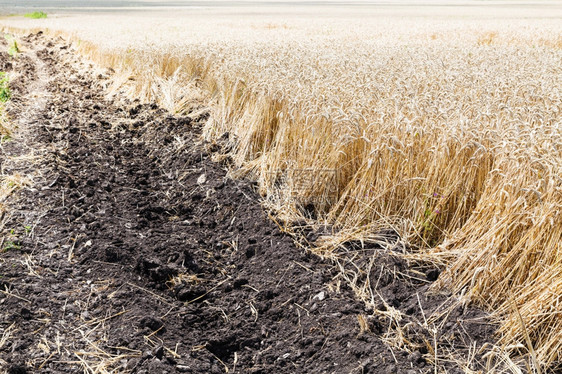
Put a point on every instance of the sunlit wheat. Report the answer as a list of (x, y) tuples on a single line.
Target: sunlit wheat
[(448, 130)]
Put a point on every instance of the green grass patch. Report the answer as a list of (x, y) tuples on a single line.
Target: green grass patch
[(5, 92), (36, 15), (12, 242), (11, 245), (13, 48)]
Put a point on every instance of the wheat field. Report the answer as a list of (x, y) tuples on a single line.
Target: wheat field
[(442, 123)]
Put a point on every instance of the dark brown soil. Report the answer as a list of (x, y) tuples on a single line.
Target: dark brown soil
[(130, 250)]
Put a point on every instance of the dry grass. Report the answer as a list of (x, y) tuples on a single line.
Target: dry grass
[(6, 334), (4, 123), (450, 133)]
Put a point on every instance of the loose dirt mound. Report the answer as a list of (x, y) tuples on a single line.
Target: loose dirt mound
[(130, 250)]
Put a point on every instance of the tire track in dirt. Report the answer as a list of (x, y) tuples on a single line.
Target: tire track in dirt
[(29, 97), (135, 253)]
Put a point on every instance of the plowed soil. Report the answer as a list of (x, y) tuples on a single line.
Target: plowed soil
[(127, 250)]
